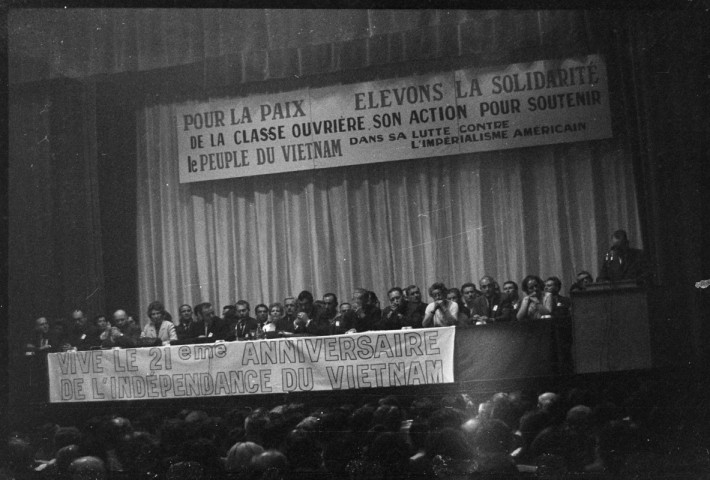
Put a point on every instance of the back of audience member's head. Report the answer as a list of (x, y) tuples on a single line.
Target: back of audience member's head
[(493, 436), (418, 431), (454, 401), (617, 440), (531, 424), (255, 425), (579, 418), (172, 433), (361, 418), (66, 436), (139, 453), (240, 455), (604, 413), (65, 456), (185, 470), (270, 464), (422, 407), (390, 451), (388, 416), (204, 451), (448, 442), (504, 410), (87, 468), (20, 454), (302, 450), (446, 417)]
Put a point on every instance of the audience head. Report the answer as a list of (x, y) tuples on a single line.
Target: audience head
[(533, 285), (438, 291), (87, 468), (493, 436), (65, 456), (545, 400), (488, 286), (270, 462), (240, 455), (390, 451), (345, 307)]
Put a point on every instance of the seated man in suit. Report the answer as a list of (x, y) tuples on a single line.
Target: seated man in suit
[(80, 332), (469, 293), (287, 322), (491, 306), (311, 318), (622, 262), (510, 288), (561, 306), (39, 341), (125, 333), (209, 326), (394, 315), (187, 328), (415, 307), (246, 327)]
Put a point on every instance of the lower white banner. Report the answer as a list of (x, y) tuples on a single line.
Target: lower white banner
[(364, 360)]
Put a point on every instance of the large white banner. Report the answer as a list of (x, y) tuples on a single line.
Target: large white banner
[(472, 110), (365, 360)]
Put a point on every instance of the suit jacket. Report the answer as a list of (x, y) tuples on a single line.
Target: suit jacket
[(628, 264), (561, 307), (415, 315), (498, 308), (342, 322), (187, 331), (246, 329), (393, 319)]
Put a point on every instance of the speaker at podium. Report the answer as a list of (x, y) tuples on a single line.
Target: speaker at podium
[(611, 327)]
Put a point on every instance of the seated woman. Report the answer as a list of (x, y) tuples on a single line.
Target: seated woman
[(276, 322), (536, 303)]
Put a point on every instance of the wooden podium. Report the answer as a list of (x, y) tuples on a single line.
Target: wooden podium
[(611, 328)]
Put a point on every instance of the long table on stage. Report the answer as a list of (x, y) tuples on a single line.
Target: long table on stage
[(500, 351), (497, 351)]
